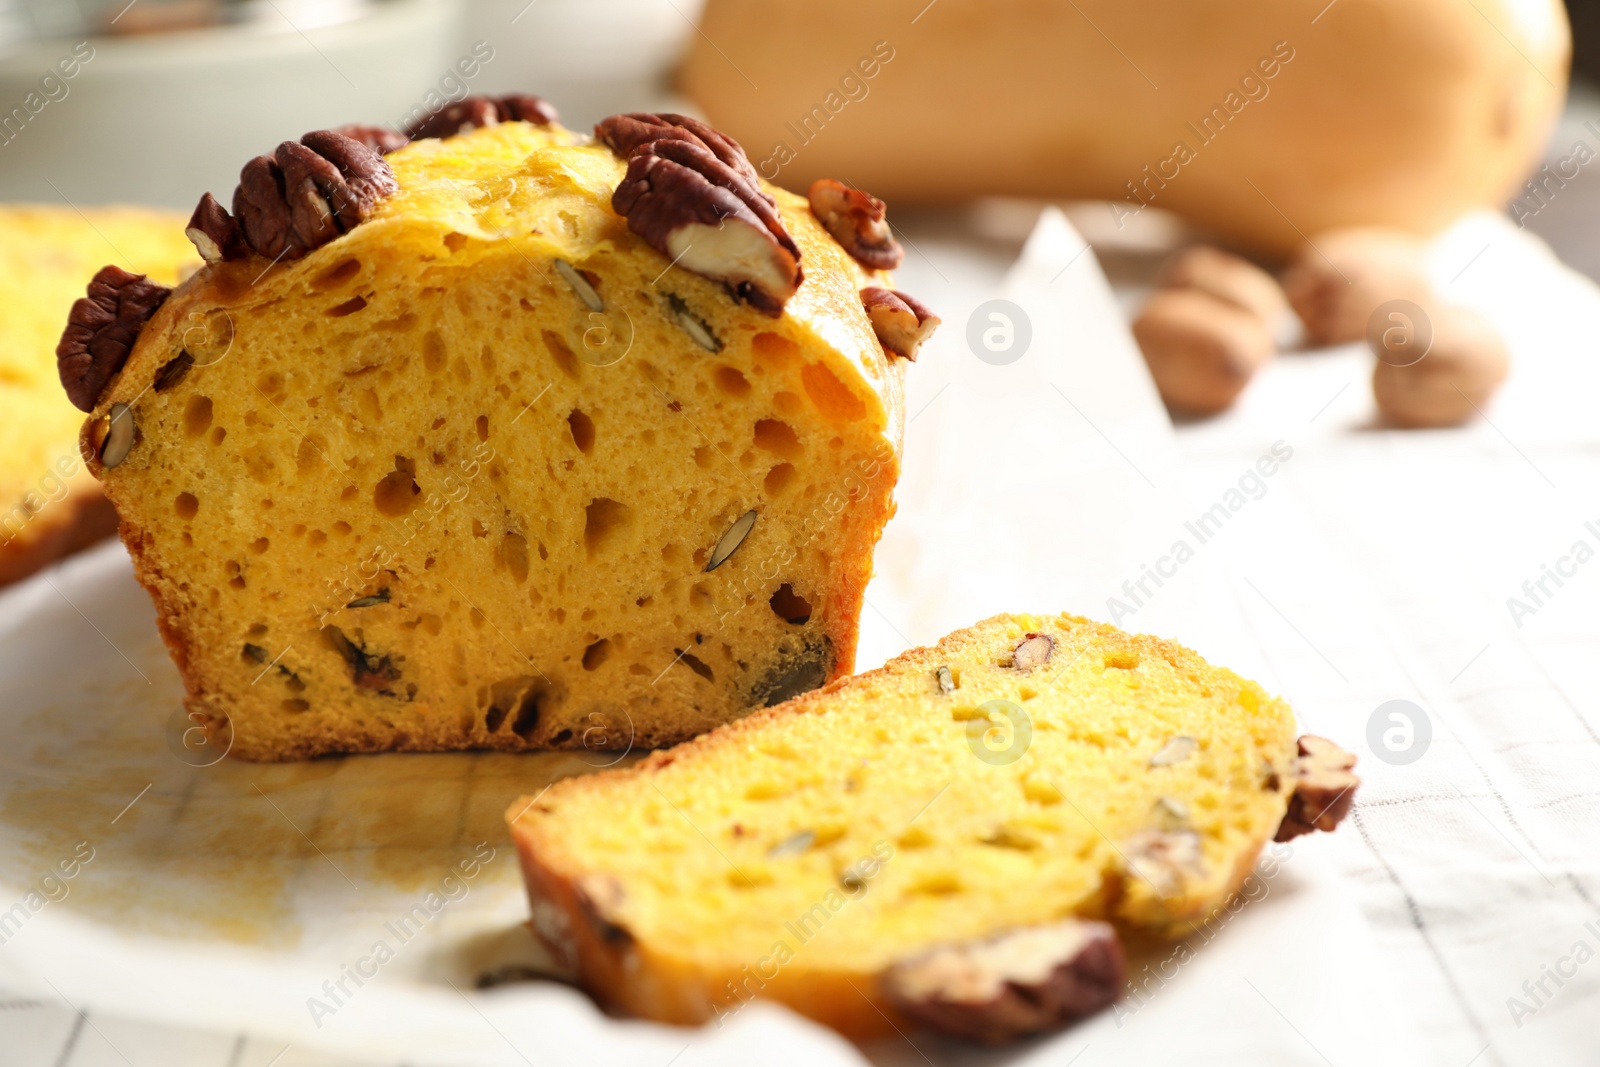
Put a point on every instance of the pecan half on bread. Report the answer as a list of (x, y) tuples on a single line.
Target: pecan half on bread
[(624, 133), (101, 330), (297, 199), (1324, 788), (473, 112), (381, 139), (692, 194), (858, 221), (901, 322)]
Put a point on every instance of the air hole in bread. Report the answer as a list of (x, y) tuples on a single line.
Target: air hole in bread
[(349, 307), (604, 520), (596, 654), (778, 478), (371, 408), (774, 350), (197, 416), (561, 353), (779, 438), (455, 242), (338, 274), (831, 396), (582, 427), (186, 505), (514, 554), (434, 356), (503, 697), (730, 381), (527, 720), (397, 492), (790, 606)]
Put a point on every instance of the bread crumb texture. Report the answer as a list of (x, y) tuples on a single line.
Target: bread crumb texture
[(458, 478), (814, 844)]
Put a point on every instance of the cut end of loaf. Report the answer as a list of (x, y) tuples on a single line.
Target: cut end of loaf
[(456, 478)]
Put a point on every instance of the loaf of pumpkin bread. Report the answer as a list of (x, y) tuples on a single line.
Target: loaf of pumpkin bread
[(499, 435)]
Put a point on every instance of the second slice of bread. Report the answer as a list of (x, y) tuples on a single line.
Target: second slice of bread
[(912, 828)]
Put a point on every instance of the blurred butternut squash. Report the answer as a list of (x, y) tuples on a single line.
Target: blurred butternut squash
[(1261, 120)]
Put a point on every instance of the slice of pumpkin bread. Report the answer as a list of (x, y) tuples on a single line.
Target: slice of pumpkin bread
[(503, 436), (951, 839)]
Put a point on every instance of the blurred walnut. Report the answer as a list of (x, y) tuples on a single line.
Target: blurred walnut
[(1226, 277), (1340, 278), (1465, 362), (1202, 349)]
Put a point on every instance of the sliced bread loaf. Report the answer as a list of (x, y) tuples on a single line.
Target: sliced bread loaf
[(450, 448)]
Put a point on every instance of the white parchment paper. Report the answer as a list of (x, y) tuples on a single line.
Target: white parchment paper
[(240, 897)]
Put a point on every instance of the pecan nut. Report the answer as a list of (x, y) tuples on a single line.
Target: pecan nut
[(1033, 651), (1324, 788), (901, 322), (625, 133), (1017, 983), (858, 221), (215, 233), (381, 139), (305, 175), (306, 194), (261, 210), (473, 112), (710, 218), (362, 177), (101, 330)]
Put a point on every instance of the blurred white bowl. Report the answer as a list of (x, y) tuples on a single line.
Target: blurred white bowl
[(590, 58), (162, 119)]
